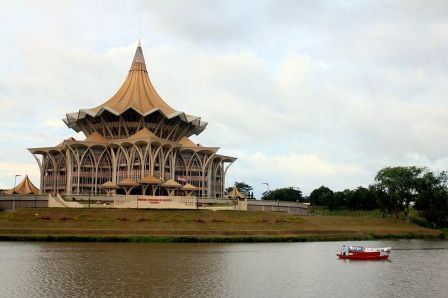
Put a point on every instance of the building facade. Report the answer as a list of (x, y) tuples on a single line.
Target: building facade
[(134, 136)]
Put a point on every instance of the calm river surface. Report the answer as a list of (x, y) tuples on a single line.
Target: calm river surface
[(417, 269)]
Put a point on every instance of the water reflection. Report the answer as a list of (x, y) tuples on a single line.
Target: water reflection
[(417, 268)]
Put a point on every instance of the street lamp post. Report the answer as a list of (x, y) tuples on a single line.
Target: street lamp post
[(267, 190), (267, 185), (14, 191), (15, 181)]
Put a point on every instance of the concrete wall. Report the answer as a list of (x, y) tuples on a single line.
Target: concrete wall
[(289, 207), (155, 202), (58, 202), (12, 202)]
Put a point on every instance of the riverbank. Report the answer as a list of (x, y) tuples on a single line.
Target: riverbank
[(130, 225)]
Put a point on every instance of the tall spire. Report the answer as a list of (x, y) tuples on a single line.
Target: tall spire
[(137, 91), (139, 60)]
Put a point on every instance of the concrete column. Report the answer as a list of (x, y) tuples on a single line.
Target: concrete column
[(114, 165), (68, 172)]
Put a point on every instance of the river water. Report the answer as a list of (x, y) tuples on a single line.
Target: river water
[(417, 269)]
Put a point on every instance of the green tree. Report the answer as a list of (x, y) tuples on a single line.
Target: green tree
[(339, 199), (292, 194), (362, 199), (321, 196), (244, 188), (399, 187), (432, 198)]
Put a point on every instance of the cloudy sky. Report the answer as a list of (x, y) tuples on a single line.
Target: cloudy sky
[(304, 93)]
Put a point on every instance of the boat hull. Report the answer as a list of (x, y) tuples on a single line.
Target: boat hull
[(363, 257)]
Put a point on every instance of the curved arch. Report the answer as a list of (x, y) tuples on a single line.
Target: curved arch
[(167, 163), (104, 170), (194, 168), (49, 173), (194, 157), (157, 163), (136, 163), (61, 173), (86, 172), (75, 165), (147, 160), (122, 164), (180, 167), (219, 173)]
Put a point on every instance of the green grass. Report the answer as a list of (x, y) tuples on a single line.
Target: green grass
[(54, 224), (324, 211)]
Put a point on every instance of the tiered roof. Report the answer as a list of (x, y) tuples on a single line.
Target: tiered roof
[(136, 93)]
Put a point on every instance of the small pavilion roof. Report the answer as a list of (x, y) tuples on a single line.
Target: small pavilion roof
[(186, 142), (171, 184), (189, 187), (143, 133), (235, 194), (128, 182), (95, 138), (71, 139), (25, 187), (109, 185), (149, 179)]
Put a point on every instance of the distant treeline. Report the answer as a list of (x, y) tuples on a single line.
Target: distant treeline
[(395, 191)]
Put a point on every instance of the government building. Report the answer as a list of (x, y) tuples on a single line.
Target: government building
[(135, 144)]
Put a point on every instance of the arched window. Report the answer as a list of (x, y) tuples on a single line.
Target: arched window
[(167, 171), (158, 164), (48, 175), (147, 160), (61, 173), (195, 171), (219, 173), (104, 170), (87, 173), (122, 165), (180, 168), (136, 164)]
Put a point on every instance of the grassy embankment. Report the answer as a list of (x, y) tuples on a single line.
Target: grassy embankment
[(193, 226)]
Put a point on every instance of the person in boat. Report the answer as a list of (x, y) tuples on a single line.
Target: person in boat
[(345, 250)]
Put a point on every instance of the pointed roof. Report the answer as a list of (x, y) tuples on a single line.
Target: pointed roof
[(186, 142), (128, 182), (137, 93), (150, 180), (235, 194), (171, 184), (189, 187), (25, 187), (109, 185), (95, 138), (61, 144), (143, 133)]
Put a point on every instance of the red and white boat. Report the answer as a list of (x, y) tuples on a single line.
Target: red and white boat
[(363, 253)]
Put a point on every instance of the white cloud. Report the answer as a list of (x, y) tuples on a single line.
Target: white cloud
[(302, 93), (9, 169)]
